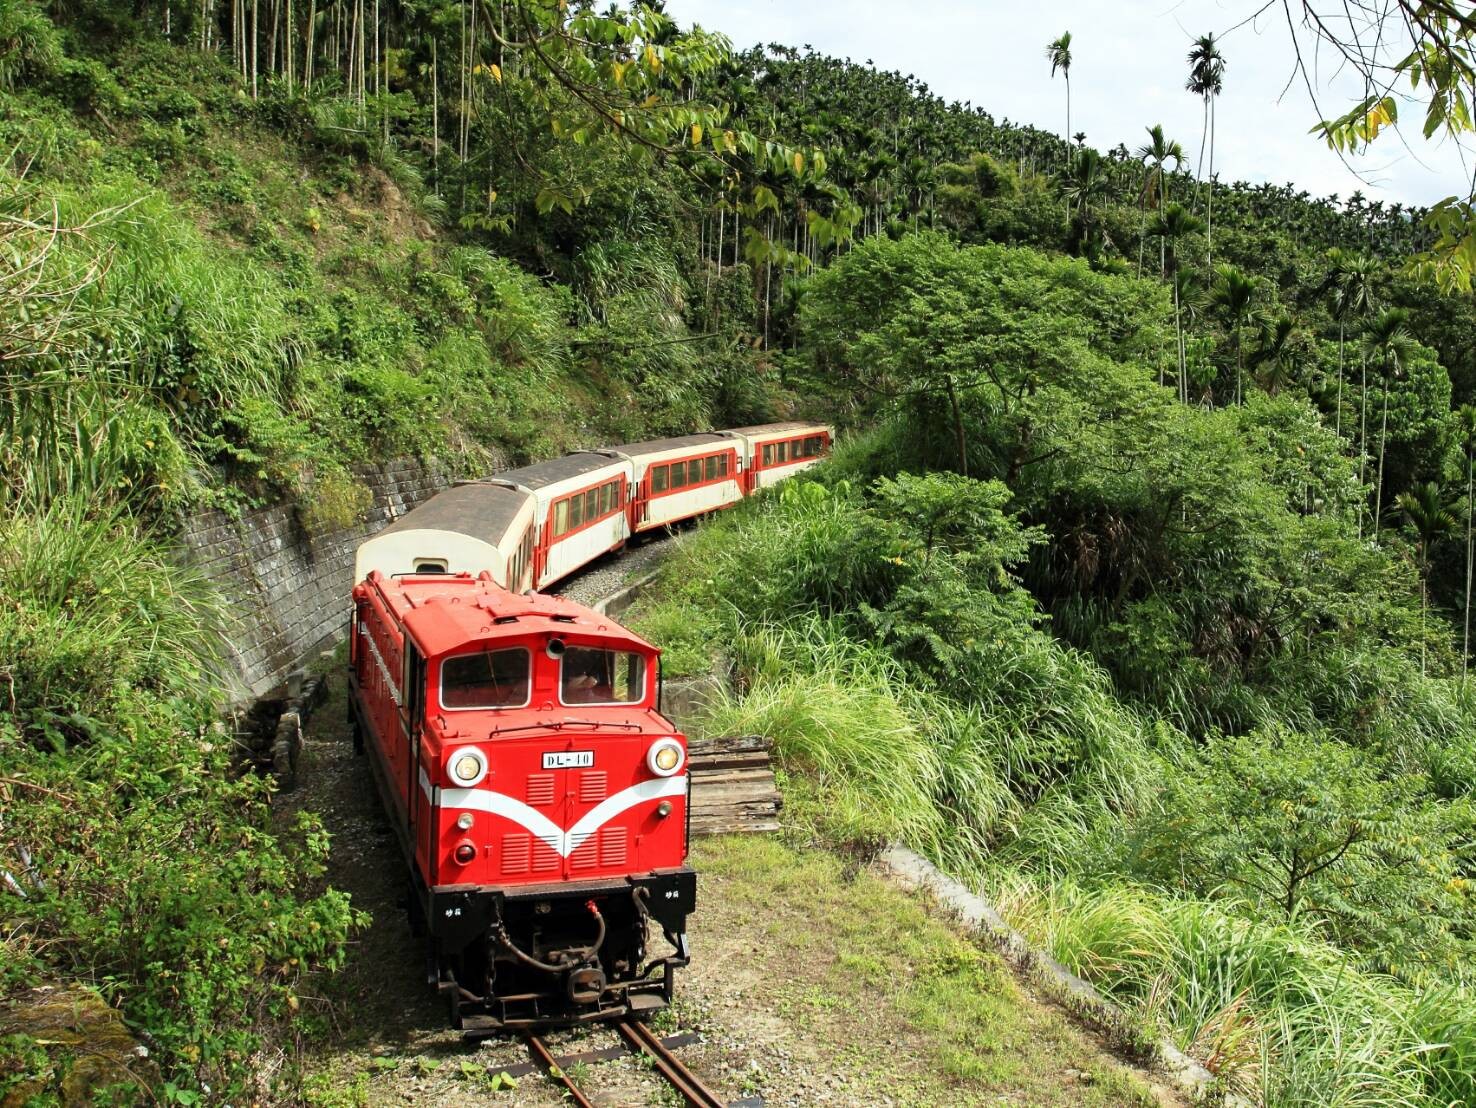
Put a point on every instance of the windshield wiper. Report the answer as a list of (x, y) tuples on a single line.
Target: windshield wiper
[(559, 725)]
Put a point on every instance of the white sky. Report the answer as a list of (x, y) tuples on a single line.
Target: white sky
[(1128, 71)]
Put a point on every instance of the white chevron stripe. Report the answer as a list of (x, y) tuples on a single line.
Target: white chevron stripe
[(540, 826)]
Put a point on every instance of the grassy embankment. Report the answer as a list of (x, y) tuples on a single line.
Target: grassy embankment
[(1012, 760)]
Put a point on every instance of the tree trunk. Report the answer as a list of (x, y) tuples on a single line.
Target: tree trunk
[(1339, 416), (435, 116), (307, 54), (1209, 223), (1142, 232), (1383, 440), (1179, 346), (1362, 434), (958, 428), (1466, 642), (1424, 604), (255, 31), (1238, 364)]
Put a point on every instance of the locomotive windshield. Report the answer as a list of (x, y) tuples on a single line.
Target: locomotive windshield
[(589, 675), (488, 679)]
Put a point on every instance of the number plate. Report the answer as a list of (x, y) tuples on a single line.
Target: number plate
[(568, 759)]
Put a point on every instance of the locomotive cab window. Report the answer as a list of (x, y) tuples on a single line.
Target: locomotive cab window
[(487, 679), (589, 675)]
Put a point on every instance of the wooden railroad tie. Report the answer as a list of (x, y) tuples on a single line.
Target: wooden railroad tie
[(733, 787)]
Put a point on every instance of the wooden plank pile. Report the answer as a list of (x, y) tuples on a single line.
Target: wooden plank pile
[(733, 787)]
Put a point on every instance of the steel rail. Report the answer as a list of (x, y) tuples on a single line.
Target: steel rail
[(550, 1066), (678, 1076)]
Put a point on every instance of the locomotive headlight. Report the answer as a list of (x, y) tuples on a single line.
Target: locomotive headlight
[(465, 821), (467, 766), (665, 757)]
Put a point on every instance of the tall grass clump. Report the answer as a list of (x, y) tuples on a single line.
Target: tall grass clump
[(93, 611), (864, 772), (1274, 1010)]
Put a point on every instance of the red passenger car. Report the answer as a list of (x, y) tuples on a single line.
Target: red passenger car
[(539, 795)]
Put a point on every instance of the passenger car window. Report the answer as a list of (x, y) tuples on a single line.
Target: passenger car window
[(488, 679), (679, 475), (561, 518), (576, 512), (709, 468), (769, 454), (723, 465), (592, 505), (658, 478), (694, 471), (589, 675), (781, 452)]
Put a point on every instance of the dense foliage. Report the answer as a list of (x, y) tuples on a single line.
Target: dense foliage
[(1167, 505), (1147, 681)]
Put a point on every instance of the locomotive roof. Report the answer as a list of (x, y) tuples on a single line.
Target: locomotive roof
[(446, 612), (474, 508), (657, 446), (771, 428), (541, 474)]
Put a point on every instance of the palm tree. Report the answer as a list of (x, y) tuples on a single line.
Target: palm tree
[(1156, 153), (1234, 296), (1058, 53), (1466, 426), (1429, 515), (1172, 226), (1279, 354), (1206, 78), (1350, 281), (1086, 189), (1388, 340)]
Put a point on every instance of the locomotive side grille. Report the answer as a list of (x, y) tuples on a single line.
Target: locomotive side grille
[(612, 846), (592, 786), (586, 857), (545, 860), (517, 850), (540, 788)]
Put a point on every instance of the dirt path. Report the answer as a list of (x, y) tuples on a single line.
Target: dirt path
[(810, 985)]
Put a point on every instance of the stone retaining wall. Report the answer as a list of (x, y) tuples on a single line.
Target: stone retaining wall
[(287, 589)]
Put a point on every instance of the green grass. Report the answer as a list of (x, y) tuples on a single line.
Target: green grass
[(1027, 770), (1277, 1011), (922, 1015)]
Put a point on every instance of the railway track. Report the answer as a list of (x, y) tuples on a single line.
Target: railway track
[(640, 1041)]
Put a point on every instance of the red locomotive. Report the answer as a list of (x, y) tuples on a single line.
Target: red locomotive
[(539, 795)]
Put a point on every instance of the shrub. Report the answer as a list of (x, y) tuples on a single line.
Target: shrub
[(154, 871)]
